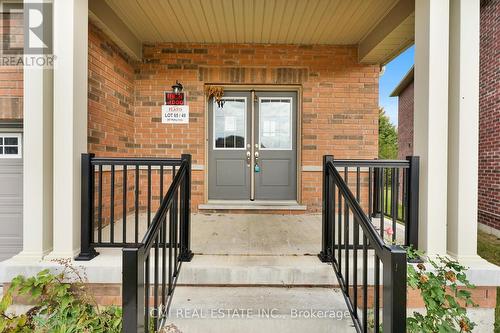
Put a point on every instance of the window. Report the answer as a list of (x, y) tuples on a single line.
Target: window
[(10, 145), (275, 125), (230, 124)]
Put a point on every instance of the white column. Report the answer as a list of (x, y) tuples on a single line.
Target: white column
[(37, 154), (431, 120), (463, 128), (70, 121)]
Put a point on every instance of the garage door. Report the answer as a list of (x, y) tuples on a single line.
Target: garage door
[(11, 194)]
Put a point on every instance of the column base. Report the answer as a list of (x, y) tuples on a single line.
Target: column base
[(324, 257), (186, 256), (86, 256), (27, 256)]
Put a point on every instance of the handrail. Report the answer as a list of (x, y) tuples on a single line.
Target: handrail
[(154, 227), (405, 164), (348, 236), (136, 160), (375, 240), (152, 275), (112, 190)]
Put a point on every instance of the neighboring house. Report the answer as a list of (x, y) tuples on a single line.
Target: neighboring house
[(404, 92), (489, 118), (300, 81)]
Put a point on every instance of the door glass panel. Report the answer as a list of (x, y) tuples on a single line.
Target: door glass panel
[(230, 124), (275, 123)]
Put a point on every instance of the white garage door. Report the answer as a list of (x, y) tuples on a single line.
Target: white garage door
[(11, 194)]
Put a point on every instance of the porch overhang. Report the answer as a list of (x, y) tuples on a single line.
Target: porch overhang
[(381, 29)]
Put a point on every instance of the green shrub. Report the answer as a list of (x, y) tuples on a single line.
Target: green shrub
[(62, 304), (444, 301)]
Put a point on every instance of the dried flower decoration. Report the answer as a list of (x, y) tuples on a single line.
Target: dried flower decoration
[(217, 93)]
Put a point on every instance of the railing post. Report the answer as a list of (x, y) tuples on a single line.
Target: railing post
[(133, 298), (377, 182), (412, 201), (326, 236), (87, 252), (185, 220), (394, 292)]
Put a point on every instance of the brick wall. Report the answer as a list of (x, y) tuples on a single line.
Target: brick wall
[(489, 115), (339, 102), (11, 78), (111, 98), (405, 122)]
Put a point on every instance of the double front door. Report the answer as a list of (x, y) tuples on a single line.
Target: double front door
[(252, 146)]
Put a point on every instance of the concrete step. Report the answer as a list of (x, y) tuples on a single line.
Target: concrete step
[(259, 309), (256, 270)]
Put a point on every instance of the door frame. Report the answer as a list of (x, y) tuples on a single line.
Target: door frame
[(259, 87)]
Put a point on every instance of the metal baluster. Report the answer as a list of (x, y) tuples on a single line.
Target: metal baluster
[(370, 193), (365, 284), (339, 232), (149, 195), (147, 293), (124, 204), (376, 311), (170, 249), (99, 207), (136, 204), (382, 200), (356, 243), (332, 212), (164, 260), (403, 199), (155, 288), (175, 221), (161, 183), (112, 206), (394, 204), (346, 235), (386, 188), (176, 232)]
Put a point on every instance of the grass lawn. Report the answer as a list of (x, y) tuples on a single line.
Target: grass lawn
[(488, 247), (388, 197)]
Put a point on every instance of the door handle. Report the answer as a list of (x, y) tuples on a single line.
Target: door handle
[(248, 157), (256, 155)]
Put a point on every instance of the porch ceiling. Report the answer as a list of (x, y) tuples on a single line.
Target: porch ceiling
[(340, 22)]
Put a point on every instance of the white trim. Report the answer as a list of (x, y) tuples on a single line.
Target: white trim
[(291, 122), (252, 205), (245, 123), (19, 145)]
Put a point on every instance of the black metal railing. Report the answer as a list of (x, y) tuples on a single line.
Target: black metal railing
[(119, 196), (151, 268), (389, 186), (351, 241)]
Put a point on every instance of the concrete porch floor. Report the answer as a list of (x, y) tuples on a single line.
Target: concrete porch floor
[(247, 234)]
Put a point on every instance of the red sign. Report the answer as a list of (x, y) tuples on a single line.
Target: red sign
[(172, 98)]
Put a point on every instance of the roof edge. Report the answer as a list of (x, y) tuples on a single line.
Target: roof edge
[(407, 79)]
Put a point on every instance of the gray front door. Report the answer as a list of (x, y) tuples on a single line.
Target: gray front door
[(252, 146), (276, 150)]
